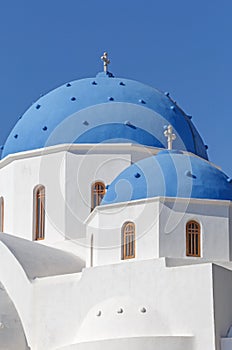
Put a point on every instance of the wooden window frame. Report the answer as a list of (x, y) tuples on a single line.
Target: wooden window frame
[(39, 220), (193, 239), (128, 241), (99, 193), (2, 214)]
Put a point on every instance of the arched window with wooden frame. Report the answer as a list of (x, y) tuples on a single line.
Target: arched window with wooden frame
[(98, 191), (91, 251), (128, 240), (193, 238), (1, 214), (39, 212)]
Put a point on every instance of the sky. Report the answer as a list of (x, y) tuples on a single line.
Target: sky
[(180, 46)]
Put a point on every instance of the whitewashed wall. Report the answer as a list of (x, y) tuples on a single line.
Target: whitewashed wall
[(106, 227), (160, 229), (7, 192), (67, 178), (213, 217), (67, 308), (81, 172), (17, 182), (222, 291), (230, 229)]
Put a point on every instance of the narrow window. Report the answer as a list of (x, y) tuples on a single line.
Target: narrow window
[(193, 239), (39, 212), (98, 191), (128, 240), (1, 214), (91, 251)]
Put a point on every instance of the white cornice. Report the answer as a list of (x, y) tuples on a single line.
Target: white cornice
[(163, 200), (87, 148)]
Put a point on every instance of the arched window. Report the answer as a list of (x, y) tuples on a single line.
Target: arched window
[(1, 214), (98, 190), (39, 212), (128, 240), (193, 239), (91, 251)]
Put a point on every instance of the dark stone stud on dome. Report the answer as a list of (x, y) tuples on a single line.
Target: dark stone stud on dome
[(142, 101), (206, 147), (16, 136), (38, 106), (190, 174), (73, 99), (107, 186), (45, 128), (172, 108), (167, 93), (229, 180), (143, 310), (122, 83), (68, 85), (20, 117), (128, 123), (190, 116), (1, 147), (85, 122), (120, 311), (137, 175), (98, 313), (94, 82), (110, 98)]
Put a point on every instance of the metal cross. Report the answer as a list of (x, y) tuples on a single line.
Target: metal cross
[(106, 61), (170, 136)]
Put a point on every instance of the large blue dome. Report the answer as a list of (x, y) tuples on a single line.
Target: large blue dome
[(103, 109), (170, 174)]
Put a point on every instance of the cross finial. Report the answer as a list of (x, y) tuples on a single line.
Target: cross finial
[(170, 136), (106, 61)]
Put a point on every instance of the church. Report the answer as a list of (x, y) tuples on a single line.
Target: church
[(116, 229)]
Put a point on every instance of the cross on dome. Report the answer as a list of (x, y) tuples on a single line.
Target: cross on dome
[(106, 61), (170, 136)]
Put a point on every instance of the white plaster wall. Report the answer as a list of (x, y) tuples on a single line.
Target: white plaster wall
[(162, 220), (226, 344), (66, 307), (107, 231), (214, 222), (18, 180), (67, 178), (142, 343), (81, 172), (222, 290), (7, 192), (230, 230), (11, 331), (19, 289)]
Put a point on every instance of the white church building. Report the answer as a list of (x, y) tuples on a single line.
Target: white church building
[(116, 229)]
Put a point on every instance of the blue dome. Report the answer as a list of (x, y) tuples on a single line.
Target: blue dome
[(103, 109), (170, 174)]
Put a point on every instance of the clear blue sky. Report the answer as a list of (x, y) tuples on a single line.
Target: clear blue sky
[(184, 47)]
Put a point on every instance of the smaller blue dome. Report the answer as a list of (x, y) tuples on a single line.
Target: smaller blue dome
[(170, 174)]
